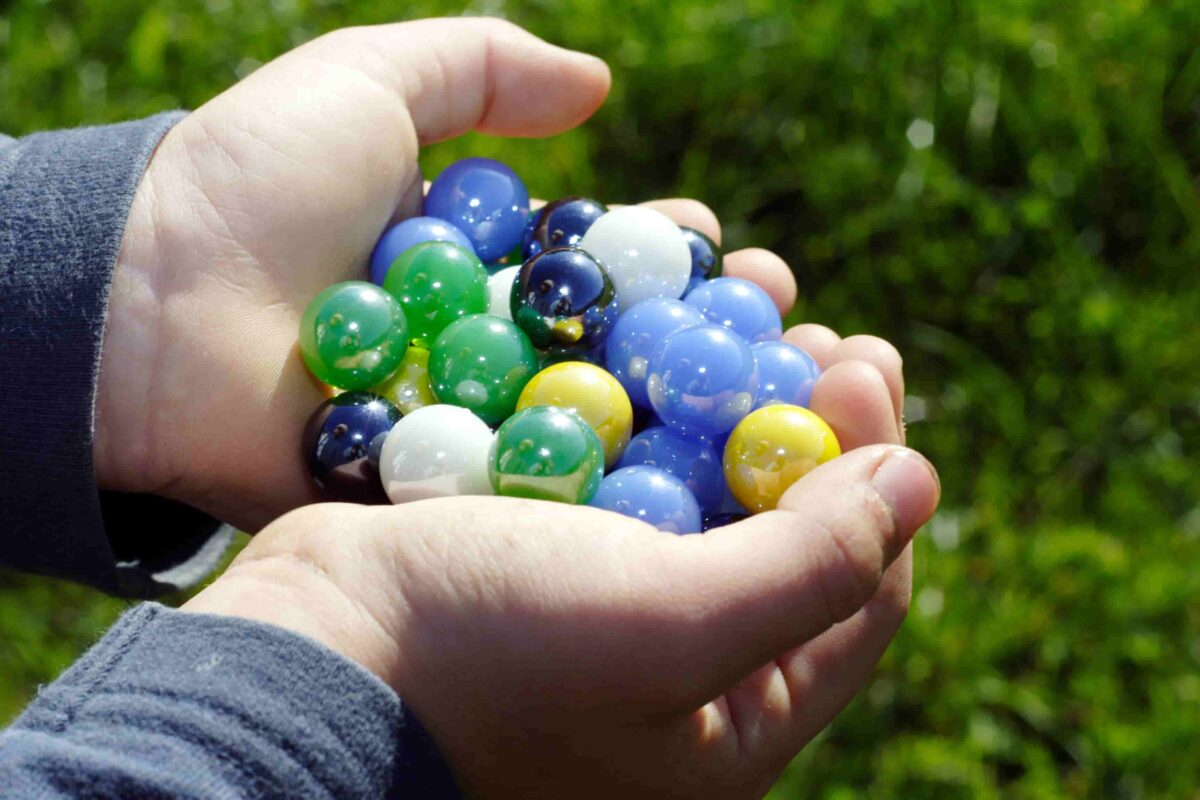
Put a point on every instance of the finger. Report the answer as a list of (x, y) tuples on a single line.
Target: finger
[(816, 340), (823, 675), (767, 270), (462, 74), (688, 213), (765, 585), (853, 397), (885, 358), (779, 708)]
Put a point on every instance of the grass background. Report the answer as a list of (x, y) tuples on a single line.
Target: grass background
[(1006, 189)]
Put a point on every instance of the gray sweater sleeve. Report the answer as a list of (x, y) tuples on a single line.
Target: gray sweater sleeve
[(177, 705), (167, 704), (64, 198)]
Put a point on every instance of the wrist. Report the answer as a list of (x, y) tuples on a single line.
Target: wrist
[(199, 348), (289, 589), (122, 448)]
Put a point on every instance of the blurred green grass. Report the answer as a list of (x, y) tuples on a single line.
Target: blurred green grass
[(1007, 190)]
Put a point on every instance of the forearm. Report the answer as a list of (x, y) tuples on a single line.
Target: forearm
[(193, 705)]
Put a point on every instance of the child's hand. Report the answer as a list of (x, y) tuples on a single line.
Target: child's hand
[(271, 192), (561, 651)]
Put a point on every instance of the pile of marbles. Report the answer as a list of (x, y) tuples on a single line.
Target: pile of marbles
[(575, 354)]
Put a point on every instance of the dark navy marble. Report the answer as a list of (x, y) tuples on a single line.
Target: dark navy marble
[(337, 446), (561, 223), (706, 256), (565, 301), (722, 519)]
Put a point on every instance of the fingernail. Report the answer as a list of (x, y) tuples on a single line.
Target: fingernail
[(910, 486)]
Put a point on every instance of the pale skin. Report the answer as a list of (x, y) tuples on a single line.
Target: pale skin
[(552, 651)]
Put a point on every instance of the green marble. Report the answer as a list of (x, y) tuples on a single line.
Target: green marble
[(353, 335), (437, 283), (482, 363), (547, 453)]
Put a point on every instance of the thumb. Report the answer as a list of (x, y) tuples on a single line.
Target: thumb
[(462, 74), (778, 579)]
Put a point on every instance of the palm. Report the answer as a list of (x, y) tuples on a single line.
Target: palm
[(589, 639), (274, 190), (279, 200), (252, 204), (594, 640)]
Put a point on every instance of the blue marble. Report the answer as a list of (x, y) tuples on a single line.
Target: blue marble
[(651, 495), (561, 223), (637, 335), (485, 200), (693, 461), (694, 283), (739, 305), (703, 380), (786, 374), (404, 235)]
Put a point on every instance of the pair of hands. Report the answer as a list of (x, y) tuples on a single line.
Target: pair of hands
[(551, 650)]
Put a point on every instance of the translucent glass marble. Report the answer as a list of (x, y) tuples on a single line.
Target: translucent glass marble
[(353, 335), (482, 363), (739, 305), (786, 374), (436, 451), (694, 461), (336, 445), (547, 453), (561, 223), (651, 495), (485, 200), (591, 393), (707, 262), (635, 337), (721, 519), (437, 283), (409, 233), (644, 251), (702, 380), (564, 301), (771, 449), (408, 388)]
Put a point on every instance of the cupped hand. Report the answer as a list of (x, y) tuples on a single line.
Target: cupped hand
[(259, 199), (560, 651), (552, 651)]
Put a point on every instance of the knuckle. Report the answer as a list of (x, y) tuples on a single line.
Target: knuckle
[(844, 574), (301, 526), (853, 555)]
